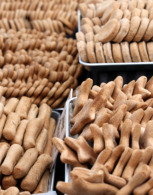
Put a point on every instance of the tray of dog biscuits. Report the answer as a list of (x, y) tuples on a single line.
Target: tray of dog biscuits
[(115, 34), (108, 146), (26, 132)]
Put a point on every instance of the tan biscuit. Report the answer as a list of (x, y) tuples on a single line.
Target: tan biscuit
[(117, 14), (132, 4), (144, 13), (96, 21), (135, 52), (132, 164), (42, 141), (33, 129), (13, 155), (11, 125), (99, 52), (117, 53), (101, 9), (96, 29), (67, 155), (3, 150), (127, 14), (142, 30), (124, 5), (143, 51), (82, 48), (148, 135), (126, 52), (33, 177), (80, 36), (148, 34), (109, 135), (144, 188), (135, 12), (86, 28), (109, 31), (141, 4), (108, 12), (108, 52), (33, 111), (150, 50), (134, 26), (90, 52), (124, 29), (18, 139), (87, 21), (10, 105), (89, 36), (8, 181)]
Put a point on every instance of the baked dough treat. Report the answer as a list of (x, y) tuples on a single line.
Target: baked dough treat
[(99, 52), (142, 30), (134, 25), (117, 53), (108, 52), (135, 52), (126, 52), (143, 51), (148, 33), (109, 31), (150, 50), (91, 52), (123, 31)]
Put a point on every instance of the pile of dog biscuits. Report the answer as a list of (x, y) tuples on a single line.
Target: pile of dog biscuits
[(113, 151), (26, 132), (116, 31)]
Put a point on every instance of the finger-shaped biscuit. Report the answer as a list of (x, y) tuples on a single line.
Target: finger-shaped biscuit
[(135, 12), (147, 140), (148, 33), (109, 135), (81, 45), (3, 150), (33, 111), (25, 163), (11, 105), (67, 155), (136, 136), (108, 12), (18, 139), (117, 54), (99, 53), (11, 124), (122, 162), (85, 20), (144, 188), (23, 107), (134, 25), (148, 113), (41, 141), (45, 113), (136, 117), (11, 190), (127, 14), (117, 14), (143, 51), (2, 123), (33, 129), (141, 30), (150, 50), (126, 130), (101, 9), (97, 138), (146, 158), (113, 158), (135, 181), (108, 52), (8, 181), (126, 52), (84, 151), (113, 179), (132, 164), (89, 36), (12, 157), (139, 87), (134, 52), (132, 4), (90, 52), (109, 31), (102, 158), (102, 116), (33, 177)]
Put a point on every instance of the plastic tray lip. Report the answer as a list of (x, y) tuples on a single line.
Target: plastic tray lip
[(67, 167), (122, 64)]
